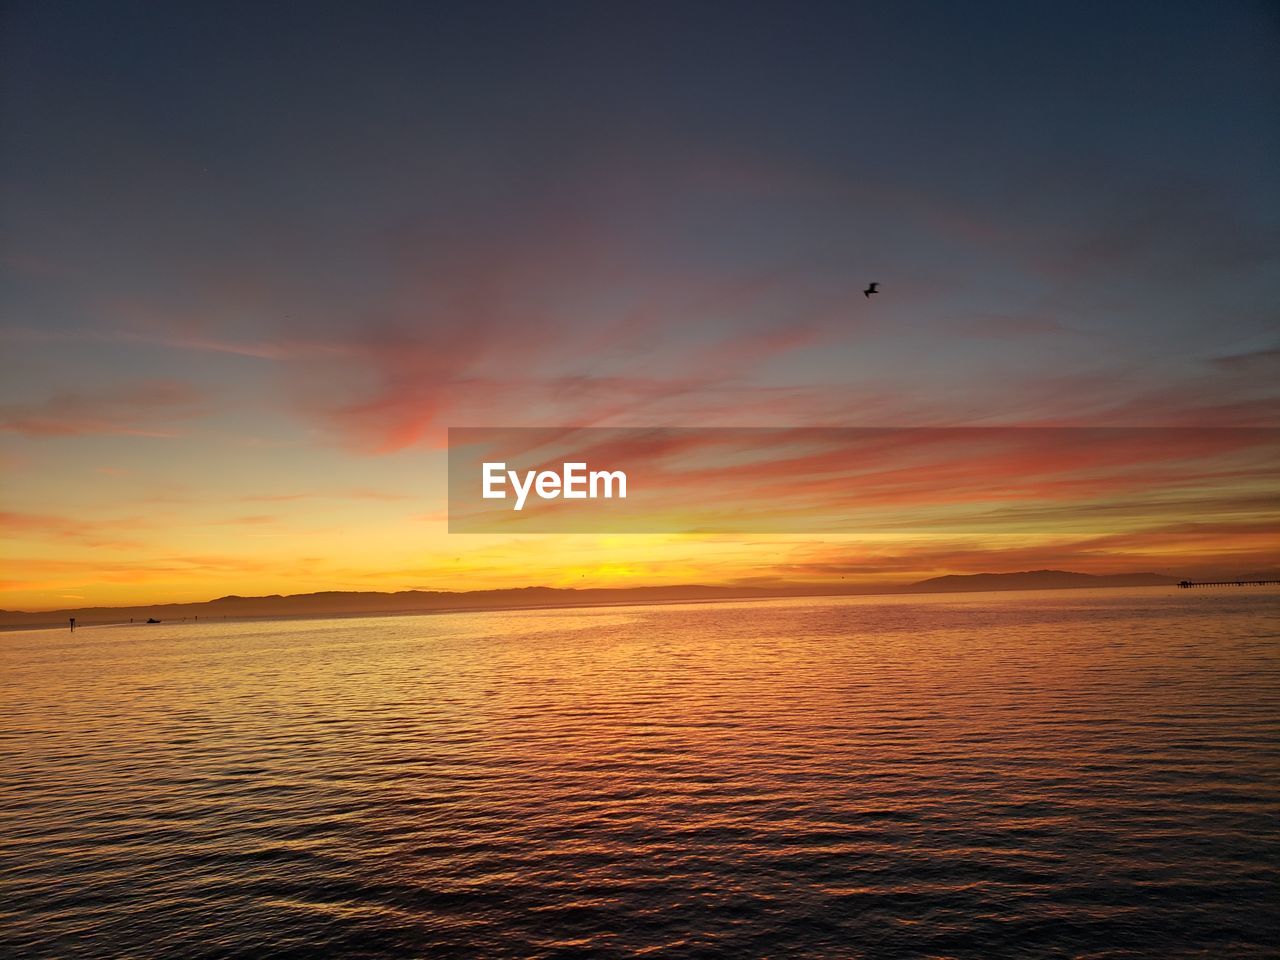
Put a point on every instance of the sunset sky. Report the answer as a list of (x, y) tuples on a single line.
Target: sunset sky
[(256, 259)]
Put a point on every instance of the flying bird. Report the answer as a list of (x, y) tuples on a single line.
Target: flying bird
[(871, 288)]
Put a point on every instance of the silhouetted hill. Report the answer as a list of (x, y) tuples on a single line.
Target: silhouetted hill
[(352, 603), (355, 603), (1038, 580)]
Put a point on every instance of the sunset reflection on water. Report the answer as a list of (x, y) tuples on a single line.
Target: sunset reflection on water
[(1057, 774)]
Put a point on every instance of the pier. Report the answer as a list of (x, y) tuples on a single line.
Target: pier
[(1185, 584)]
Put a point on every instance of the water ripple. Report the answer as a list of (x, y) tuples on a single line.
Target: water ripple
[(1087, 774)]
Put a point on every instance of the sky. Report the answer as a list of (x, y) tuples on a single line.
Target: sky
[(256, 259)]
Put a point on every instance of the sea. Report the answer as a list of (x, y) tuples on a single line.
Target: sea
[(1063, 774)]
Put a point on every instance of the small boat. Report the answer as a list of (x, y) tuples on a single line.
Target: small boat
[(152, 620)]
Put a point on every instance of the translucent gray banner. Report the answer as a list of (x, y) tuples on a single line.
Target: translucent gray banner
[(813, 480)]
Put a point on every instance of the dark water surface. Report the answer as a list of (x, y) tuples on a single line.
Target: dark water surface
[(1067, 774)]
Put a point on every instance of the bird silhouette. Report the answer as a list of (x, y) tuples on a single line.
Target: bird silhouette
[(871, 288)]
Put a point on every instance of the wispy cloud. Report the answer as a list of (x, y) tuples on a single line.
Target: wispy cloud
[(117, 534), (150, 408), (1265, 361)]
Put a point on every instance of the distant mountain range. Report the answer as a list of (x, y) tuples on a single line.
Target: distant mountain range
[(1037, 580), (351, 603)]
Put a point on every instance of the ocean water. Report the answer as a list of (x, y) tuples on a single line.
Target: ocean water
[(1066, 774)]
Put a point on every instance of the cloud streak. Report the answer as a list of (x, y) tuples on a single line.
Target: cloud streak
[(149, 408)]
